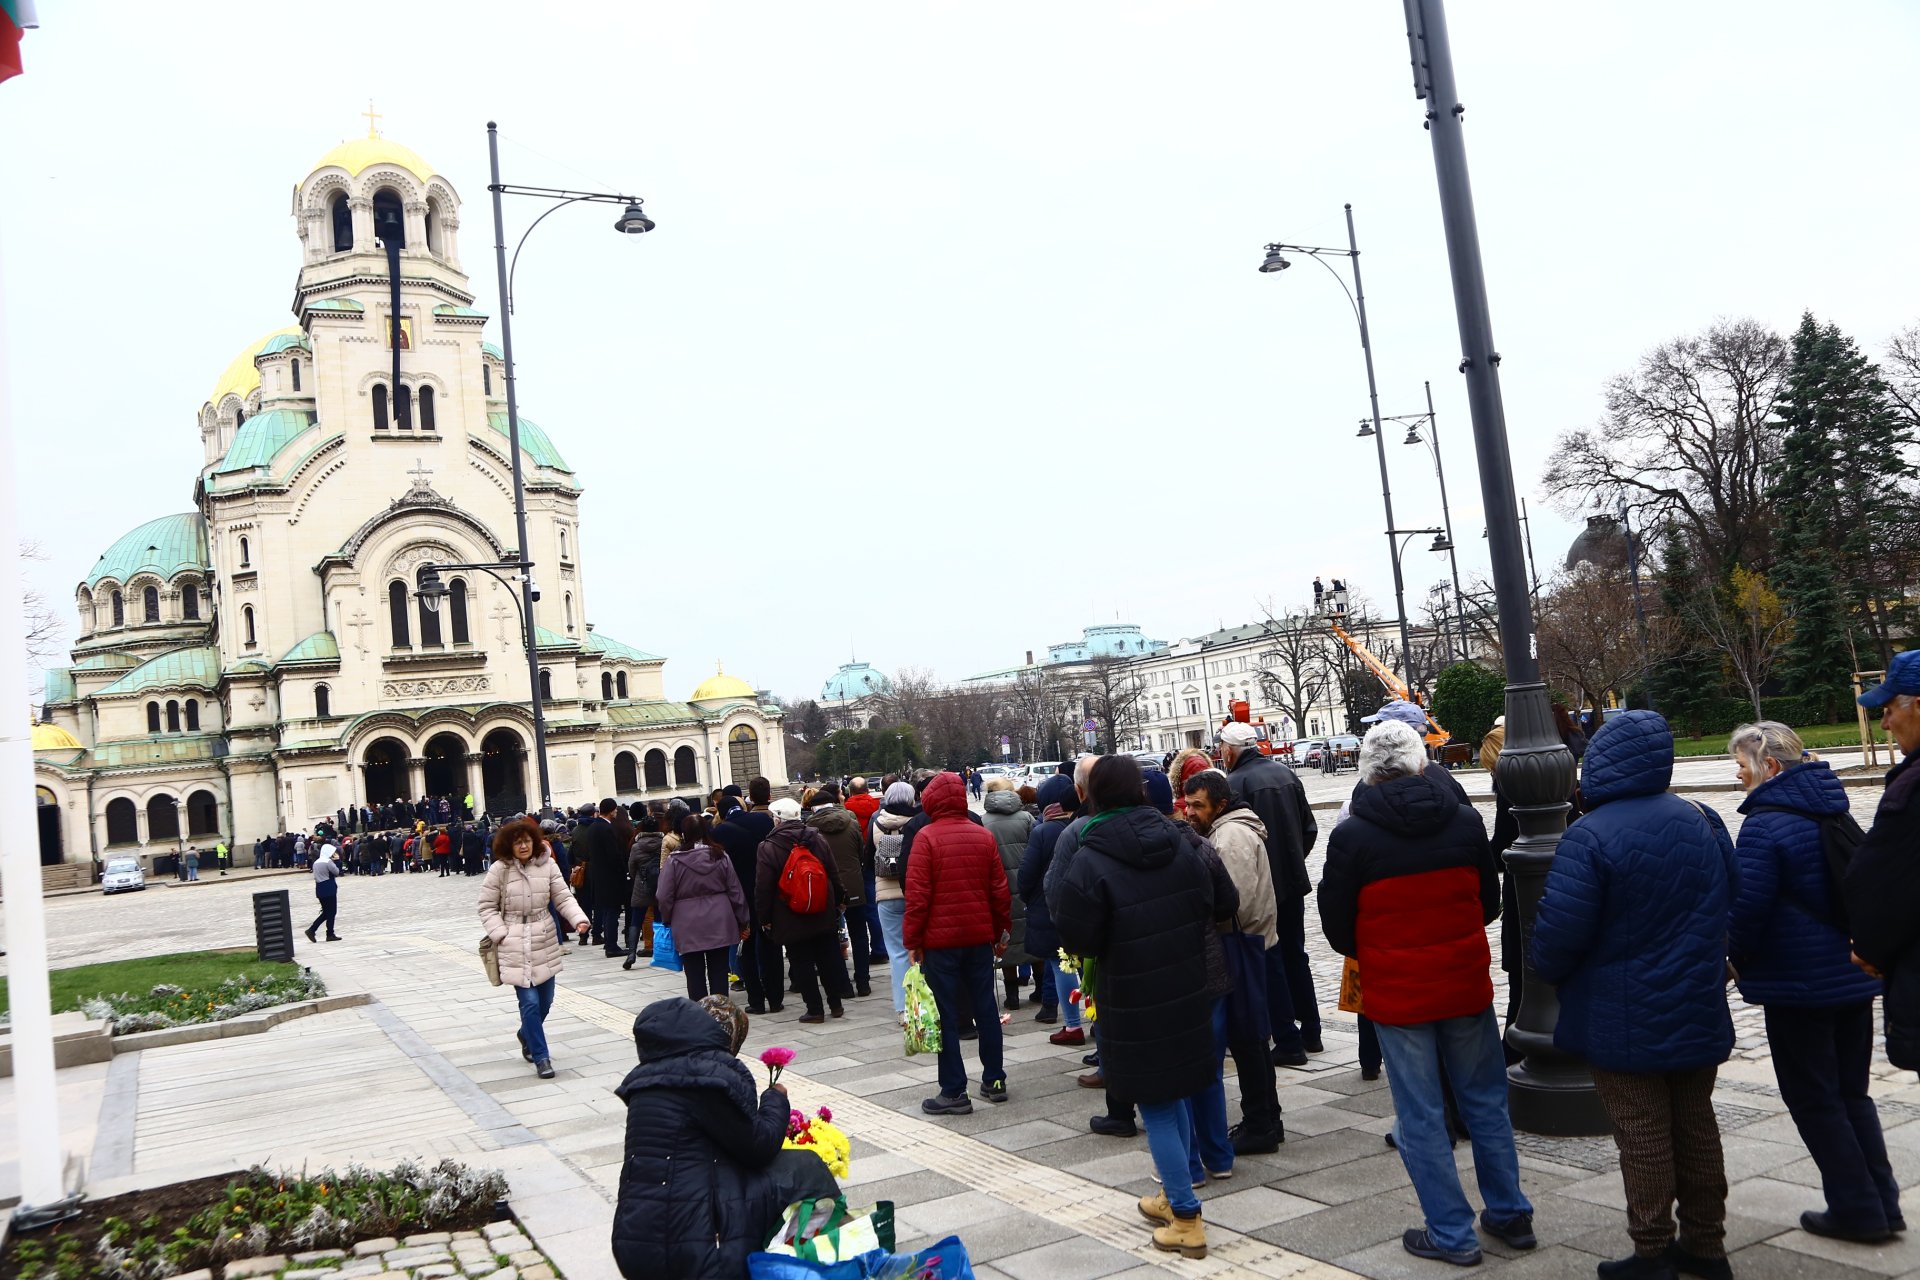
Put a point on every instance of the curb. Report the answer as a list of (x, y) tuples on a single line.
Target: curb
[(247, 1024)]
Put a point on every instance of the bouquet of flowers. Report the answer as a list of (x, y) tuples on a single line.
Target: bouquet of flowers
[(775, 1059), (1082, 967), (817, 1133)]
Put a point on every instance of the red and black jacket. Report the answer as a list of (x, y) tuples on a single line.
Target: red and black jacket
[(1409, 888)]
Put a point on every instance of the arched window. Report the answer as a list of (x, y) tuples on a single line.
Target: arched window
[(625, 777), (203, 814), (173, 716), (379, 406), (246, 553), (322, 702), (564, 555), (457, 610), (190, 601), (426, 408), (546, 686), (389, 220), (123, 823), (239, 416), (150, 604), (119, 610), (569, 610), (397, 613), (619, 684), (686, 768), (606, 686), (246, 623), (403, 408), (433, 227), (192, 708), (342, 223), (656, 770), (429, 627), (296, 373), (486, 378), (163, 818), (153, 717)]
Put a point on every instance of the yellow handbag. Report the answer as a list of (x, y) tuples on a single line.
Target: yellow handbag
[(1350, 986)]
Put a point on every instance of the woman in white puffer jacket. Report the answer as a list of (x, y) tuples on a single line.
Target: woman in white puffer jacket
[(523, 882)]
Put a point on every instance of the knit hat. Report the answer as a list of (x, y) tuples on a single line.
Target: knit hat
[(785, 809), (1057, 789), (900, 793), (1159, 790)]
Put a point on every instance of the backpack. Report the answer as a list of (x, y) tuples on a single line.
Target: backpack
[(803, 882), (886, 854), (1840, 838)]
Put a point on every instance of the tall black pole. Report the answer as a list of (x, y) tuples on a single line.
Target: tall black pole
[(1639, 607), (1550, 1092), (1386, 490), (1446, 518), (528, 626)]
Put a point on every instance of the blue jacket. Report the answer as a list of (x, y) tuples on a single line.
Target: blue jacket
[(1632, 926), (1785, 955), (1043, 940)]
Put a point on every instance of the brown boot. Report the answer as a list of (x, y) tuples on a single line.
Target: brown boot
[(1093, 1080), (1154, 1209), (1184, 1236)]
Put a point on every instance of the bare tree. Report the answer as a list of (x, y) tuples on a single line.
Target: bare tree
[(1112, 694), (1748, 623), (1040, 710), (1687, 438), (1297, 666), (39, 620), (1590, 637), (1903, 376), (910, 700)]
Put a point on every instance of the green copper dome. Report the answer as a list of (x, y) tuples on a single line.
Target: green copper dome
[(611, 648), (165, 546), (262, 437), (199, 667), (534, 441)]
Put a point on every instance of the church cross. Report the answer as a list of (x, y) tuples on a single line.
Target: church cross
[(371, 116), (500, 615), (420, 472), (360, 622)]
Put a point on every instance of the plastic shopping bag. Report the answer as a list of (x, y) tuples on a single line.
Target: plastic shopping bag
[(828, 1231), (923, 1015), (665, 954), (946, 1260)]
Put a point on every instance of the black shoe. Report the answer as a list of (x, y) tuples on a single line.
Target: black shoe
[(812, 1018), (1515, 1232), (1313, 1044), (1048, 1013), (1013, 1002), (1416, 1242), (995, 1090), (333, 937), (313, 934), (837, 1009), (1090, 1059), (1895, 1224), (776, 1008), (943, 1105), (1636, 1268), (1823, 1224), (862, 989), (1113, 1127), (1289, 1058), (628, 964), (1256, 1142), (1370, 1076), (525, 1052), (757, 1010), (1692, 1264), (614, 951), (543, 1069)]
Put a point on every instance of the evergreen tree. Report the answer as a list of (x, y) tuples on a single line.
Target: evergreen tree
[(1689, 681)]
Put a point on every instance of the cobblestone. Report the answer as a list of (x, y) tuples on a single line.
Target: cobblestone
[(264, 1265)]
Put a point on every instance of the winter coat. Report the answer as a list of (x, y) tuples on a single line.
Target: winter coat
[(597, 844), (740, 835), (919, 822), (957, 894), (1241, 841), (514, 899), (1779, 938), (643, 869), (889, 822), (1883, 907), (1011, 825), (1409, 889), (863, 806), (697, 1191), (1276, 797), (842, 832), (699, 898), (771, 904), (1142, 901), (1632, 925), (1043, 940)]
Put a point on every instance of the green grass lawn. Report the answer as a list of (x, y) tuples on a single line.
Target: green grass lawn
[(1818, 737), (194, 970)]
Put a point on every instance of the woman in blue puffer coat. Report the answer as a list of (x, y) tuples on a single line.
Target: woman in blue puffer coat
[(1793, 956), (1632, 927)]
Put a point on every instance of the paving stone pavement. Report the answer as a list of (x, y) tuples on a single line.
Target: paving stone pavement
[(431, 1068)]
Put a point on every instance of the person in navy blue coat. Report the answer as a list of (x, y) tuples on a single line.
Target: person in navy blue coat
[(1632, 927), (1793, 956)]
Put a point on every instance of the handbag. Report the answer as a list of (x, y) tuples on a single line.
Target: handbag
[(665, 954), (1350, 986), (922, 1025), (578, 876), (826, 1230), (490, 959), (1248, 1017)]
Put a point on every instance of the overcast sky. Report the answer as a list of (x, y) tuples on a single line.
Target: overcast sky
[(950, 340)]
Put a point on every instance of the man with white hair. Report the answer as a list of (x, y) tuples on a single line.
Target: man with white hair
[(1409, 888), (1275, 795)]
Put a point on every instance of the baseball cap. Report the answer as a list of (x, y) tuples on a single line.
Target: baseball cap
[(1903, 676), (1400, 709), (785, 809), (1239, 735)]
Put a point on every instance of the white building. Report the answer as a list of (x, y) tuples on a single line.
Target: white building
[(260, 661)]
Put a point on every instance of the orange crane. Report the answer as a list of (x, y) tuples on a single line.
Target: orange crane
[(1333, 610)]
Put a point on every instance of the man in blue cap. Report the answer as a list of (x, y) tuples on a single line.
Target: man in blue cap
[(1882, 886)]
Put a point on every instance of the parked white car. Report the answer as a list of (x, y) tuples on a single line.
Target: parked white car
[(122, 874)]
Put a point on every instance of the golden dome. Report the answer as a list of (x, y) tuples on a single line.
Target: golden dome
[(364, 153), (721, 687), (241, 376), (51, 737)]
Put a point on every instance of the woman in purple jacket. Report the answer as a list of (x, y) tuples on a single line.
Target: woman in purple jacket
[(700, 900)]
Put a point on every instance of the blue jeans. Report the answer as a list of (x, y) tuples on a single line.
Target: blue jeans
[(534, 1003), (1061, 984), (961, 979), (1470, 1049), (1212, 1148), (893, 925), (1170, 1141)]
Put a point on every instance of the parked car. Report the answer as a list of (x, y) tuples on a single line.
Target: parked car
[(122, 874), (1156, 760), (1039, 772)]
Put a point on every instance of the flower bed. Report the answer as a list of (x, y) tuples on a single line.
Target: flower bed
[(150, 1235), (167, 1005)]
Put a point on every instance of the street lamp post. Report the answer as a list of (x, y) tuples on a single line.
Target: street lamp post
[(1357, 298), (632, 222), (1397, 540), (1432, 441), (1549, 1092), (430, 590)]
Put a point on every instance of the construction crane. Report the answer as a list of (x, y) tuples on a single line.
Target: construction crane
[(1331, 606)]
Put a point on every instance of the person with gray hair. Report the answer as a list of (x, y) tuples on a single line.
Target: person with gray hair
[(1788, 943), (1409, 888)]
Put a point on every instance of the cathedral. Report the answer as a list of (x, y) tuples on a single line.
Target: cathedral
[(260, 661)]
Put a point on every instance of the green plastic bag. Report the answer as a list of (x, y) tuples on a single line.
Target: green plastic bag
[(923, 1015)]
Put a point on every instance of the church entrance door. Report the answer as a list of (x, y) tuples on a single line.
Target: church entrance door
[(446, 757), (385, 765), (52, 851), (503, 766)]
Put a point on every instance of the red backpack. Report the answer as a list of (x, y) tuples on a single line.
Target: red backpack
[(803, 882)]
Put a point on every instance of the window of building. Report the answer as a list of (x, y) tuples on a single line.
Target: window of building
[(619, 684), (192, 709), (322, 701), (389, 219), (625, 776), (433, 228), (342, 223), (403, 408), (153, 717), (656, 767), (564, 553), (426, 409), (569, 603), (296, 373), (429, 627), (546, 686), (486, 379), (246, 626), (150, 604), (246, 553), (119, 610), (1193, 706), (379, 407), (686, 768), (397, 614), (173, 716), (457, 610), (606, 686), (190, 601), (123, 824)]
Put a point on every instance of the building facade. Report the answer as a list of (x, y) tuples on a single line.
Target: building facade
[(261, 661)]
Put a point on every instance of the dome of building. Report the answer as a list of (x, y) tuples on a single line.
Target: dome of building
[(51, 737), (1603, 544), (364, 153), (164, 546), (721, 687), (852, 681), (241, 376)]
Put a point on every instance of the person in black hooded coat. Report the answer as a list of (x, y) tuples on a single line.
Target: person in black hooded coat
[(703, 1184)]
